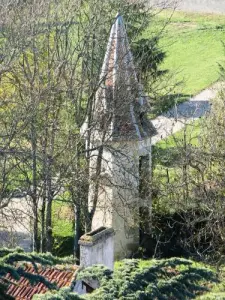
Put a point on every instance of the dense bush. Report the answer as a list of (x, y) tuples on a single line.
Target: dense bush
[(63, 245), (183, 234), (175, 278)]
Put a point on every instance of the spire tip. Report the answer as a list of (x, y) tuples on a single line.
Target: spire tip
[(118, 14)]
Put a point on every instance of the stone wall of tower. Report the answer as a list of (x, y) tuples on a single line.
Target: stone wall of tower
[(120, 122), (118, 198)]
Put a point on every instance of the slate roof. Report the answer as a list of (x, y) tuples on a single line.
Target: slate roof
[(121, 106), (23, 290)]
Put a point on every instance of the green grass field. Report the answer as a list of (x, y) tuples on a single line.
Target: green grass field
[(62, 219), (194, 47)]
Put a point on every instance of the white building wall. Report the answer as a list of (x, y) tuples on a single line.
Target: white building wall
[(118, 200)]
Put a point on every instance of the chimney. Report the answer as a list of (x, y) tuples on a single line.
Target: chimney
[(97, 247)]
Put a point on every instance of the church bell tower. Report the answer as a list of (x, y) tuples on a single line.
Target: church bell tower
[(120, 145)]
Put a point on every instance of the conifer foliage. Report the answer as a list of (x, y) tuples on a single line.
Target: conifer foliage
[(174, 278), (165, 279), (12, 260)]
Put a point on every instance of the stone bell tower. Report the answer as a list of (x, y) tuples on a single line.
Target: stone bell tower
[(120, 144)]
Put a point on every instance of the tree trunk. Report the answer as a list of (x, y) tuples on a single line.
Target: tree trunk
[(48, 228), (43, 236), (34, 184), (49, 238), (35, 226), (77, 230)]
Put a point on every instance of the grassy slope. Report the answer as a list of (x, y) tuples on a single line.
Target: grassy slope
[(63, 231), (193, 44), (62, 219)]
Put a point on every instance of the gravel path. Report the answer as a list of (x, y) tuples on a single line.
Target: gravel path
[(186, 112)]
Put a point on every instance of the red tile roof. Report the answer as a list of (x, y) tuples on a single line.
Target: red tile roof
[(23, 290)]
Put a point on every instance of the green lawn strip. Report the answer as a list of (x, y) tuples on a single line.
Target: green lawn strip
[(193, 46), (193, 57), (198, 18), (63, 231), (62, 219)]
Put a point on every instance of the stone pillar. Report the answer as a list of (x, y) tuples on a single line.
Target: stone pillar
[(97, 247)]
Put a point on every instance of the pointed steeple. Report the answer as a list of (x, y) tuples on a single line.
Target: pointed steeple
[(120, 106)]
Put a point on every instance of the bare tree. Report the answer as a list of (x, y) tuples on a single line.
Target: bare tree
[(50, 75), (189, 185)]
